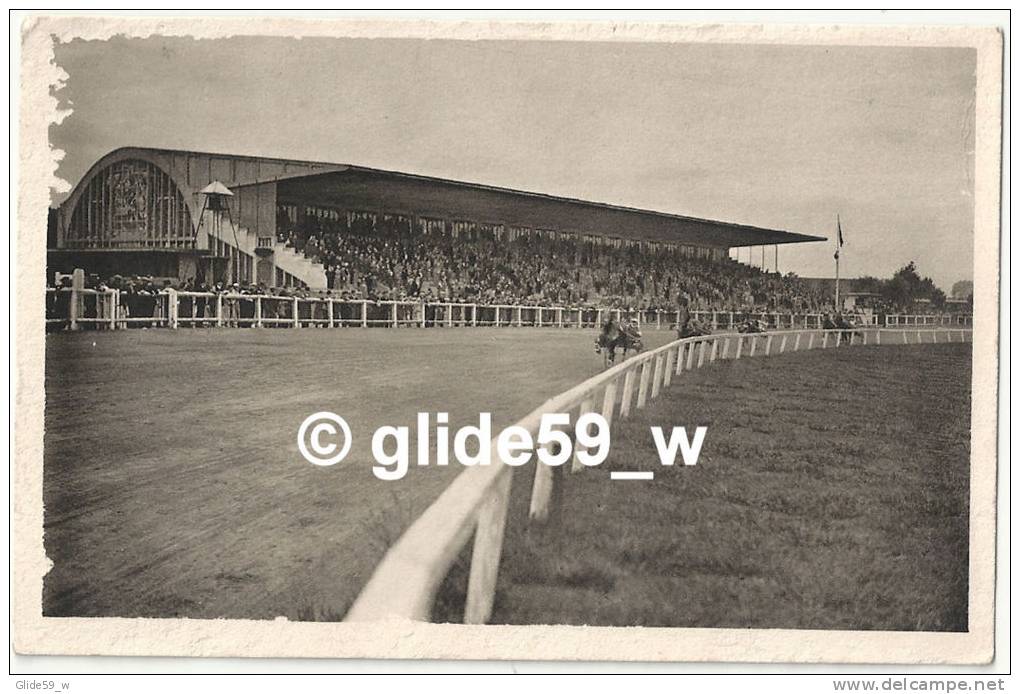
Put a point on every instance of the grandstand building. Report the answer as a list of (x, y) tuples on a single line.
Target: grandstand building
[(217, 217)]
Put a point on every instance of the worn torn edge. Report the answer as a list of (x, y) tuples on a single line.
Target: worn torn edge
[(39, 109)]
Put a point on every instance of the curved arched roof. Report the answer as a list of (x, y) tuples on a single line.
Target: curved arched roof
[(341, 183)]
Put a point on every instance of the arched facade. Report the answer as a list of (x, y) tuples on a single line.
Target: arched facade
[(131, 204)]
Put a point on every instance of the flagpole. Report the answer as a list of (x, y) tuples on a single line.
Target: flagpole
[(837, 280), (838, 233)]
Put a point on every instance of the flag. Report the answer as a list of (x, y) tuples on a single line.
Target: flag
[(839, 238)]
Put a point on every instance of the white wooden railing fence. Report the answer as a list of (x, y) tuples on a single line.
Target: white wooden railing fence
[(77, 308), (939, 319), (475, 504)]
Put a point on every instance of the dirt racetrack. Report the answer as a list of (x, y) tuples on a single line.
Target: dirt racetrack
[(172, 481)]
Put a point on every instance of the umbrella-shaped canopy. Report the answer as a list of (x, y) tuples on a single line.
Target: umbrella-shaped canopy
[(216, 188)]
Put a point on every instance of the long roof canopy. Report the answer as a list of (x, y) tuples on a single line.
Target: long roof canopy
[(311, 182)]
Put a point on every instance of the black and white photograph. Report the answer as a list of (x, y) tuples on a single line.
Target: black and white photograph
[(485, 331)]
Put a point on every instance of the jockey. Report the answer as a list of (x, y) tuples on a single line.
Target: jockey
[(610, 328), (683, 316), (630, 326)]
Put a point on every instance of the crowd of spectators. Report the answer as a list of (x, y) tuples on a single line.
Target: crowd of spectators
[(384, 258)]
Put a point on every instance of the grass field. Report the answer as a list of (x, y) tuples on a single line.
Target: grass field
[(172, 481), (831, 493)]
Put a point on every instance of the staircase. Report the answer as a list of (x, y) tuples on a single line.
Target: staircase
[(301, 270), (304, 269)]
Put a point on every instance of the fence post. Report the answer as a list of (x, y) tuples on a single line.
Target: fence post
[(667, 369), (782, 343), (486, 552), (754, 345), (115, 307), (679, 359), (73, 309), (329, 311), (517, 310), (609, 401), (740, 346), (258, 311), (715, 347), (393, 315), (692, 347), (219, 310), (725, 348), (575, 463), (474, 315), (628, 392), (642, 394), (701, 354), (768, 343), (541, 492), (559, 316), (825, 339), (657, 376)]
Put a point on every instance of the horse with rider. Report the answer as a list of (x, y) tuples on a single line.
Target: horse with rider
[(619, 331), (686, 324), (838, 321)]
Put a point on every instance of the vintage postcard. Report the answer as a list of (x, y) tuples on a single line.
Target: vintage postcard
[(507, 340)]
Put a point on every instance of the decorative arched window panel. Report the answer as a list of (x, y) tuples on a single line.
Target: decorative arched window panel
[(130, 204)]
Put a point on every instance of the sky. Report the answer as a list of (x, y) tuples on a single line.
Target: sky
[(783, 137)]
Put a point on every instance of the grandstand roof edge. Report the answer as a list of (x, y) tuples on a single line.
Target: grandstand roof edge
[(784, 237)]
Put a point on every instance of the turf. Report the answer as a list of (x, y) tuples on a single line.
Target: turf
[(172, 481), (831, 493)]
